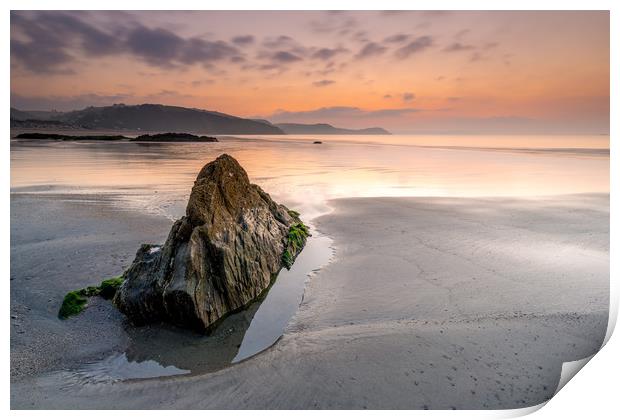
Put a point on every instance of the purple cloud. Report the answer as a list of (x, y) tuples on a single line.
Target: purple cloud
[(321, 83), (396, 39), (285, 57), (414, 47), (457, 46), (408, 97), (243, 40), (327, 53), (371, 49)]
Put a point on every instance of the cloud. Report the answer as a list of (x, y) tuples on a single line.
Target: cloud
[(419, 45), (287, 50), (325, 82), (49, 42), (269, 67), (396, 38), (327, 53), (475, 57), (66, 103), (75, 102), (460, 34), (49, 60), (394, 12), (196, 50), (285, 57), (156, 46), (332, 22), (281, 42), (243, 40), (360, 36), (164, 48), (371, 49), (436, 13), (336, 113), (408, 97), (42, 43), (197, 83), (457, 46), (58, 27)]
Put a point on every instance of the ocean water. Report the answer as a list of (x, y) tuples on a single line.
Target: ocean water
[(157, 178)]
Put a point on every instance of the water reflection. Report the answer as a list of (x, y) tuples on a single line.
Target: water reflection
[(118, 367), (299, 173), (189, 351), (164, 350)]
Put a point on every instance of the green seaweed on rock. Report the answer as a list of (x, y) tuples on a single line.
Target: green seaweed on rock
[(287, 259), (72, 304), (296, 239), (76, 300), (108, 288)]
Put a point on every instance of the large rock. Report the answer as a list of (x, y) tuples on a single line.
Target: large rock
[(219, 257)]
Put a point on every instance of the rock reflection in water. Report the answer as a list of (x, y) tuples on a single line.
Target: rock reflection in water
[(191, 351), (163, 350)]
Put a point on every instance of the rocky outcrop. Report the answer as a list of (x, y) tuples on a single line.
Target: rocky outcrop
[(219, 257), (175, 137), (66, 137)]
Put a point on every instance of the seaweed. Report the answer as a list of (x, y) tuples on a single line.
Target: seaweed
[(295, 241), (76, 300), (108, 288), (72, 304), (294, 214)]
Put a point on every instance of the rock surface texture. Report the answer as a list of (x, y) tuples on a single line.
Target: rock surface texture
[(219, 257)]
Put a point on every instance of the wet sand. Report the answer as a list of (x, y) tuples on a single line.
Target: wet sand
[(63, 242), (432, 303)]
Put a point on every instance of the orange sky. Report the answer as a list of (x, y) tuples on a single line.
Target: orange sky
[(506, 72)]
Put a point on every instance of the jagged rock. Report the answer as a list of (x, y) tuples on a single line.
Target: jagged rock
[(219, 257)]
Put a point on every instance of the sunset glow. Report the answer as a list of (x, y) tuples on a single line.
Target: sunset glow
[(427, 72)]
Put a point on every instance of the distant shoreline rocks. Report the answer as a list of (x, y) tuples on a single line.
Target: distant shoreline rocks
[(66, 137), (175, 137), (162, 137)]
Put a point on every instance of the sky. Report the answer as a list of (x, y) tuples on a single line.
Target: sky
[(510, 72)]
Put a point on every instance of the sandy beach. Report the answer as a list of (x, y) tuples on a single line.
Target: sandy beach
[(307, 209), (61, 243), (434, 303)]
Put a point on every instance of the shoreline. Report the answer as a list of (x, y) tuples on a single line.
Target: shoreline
[(418, 305)]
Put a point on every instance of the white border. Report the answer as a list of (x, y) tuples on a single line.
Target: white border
[(591, 395)]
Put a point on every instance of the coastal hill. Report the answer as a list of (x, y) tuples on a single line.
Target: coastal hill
[(151, 117), (156, 117), (293, 128)]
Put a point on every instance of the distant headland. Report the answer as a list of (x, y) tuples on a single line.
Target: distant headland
[(157, 117)]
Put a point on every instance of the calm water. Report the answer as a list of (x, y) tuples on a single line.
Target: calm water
[(157, 179)]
